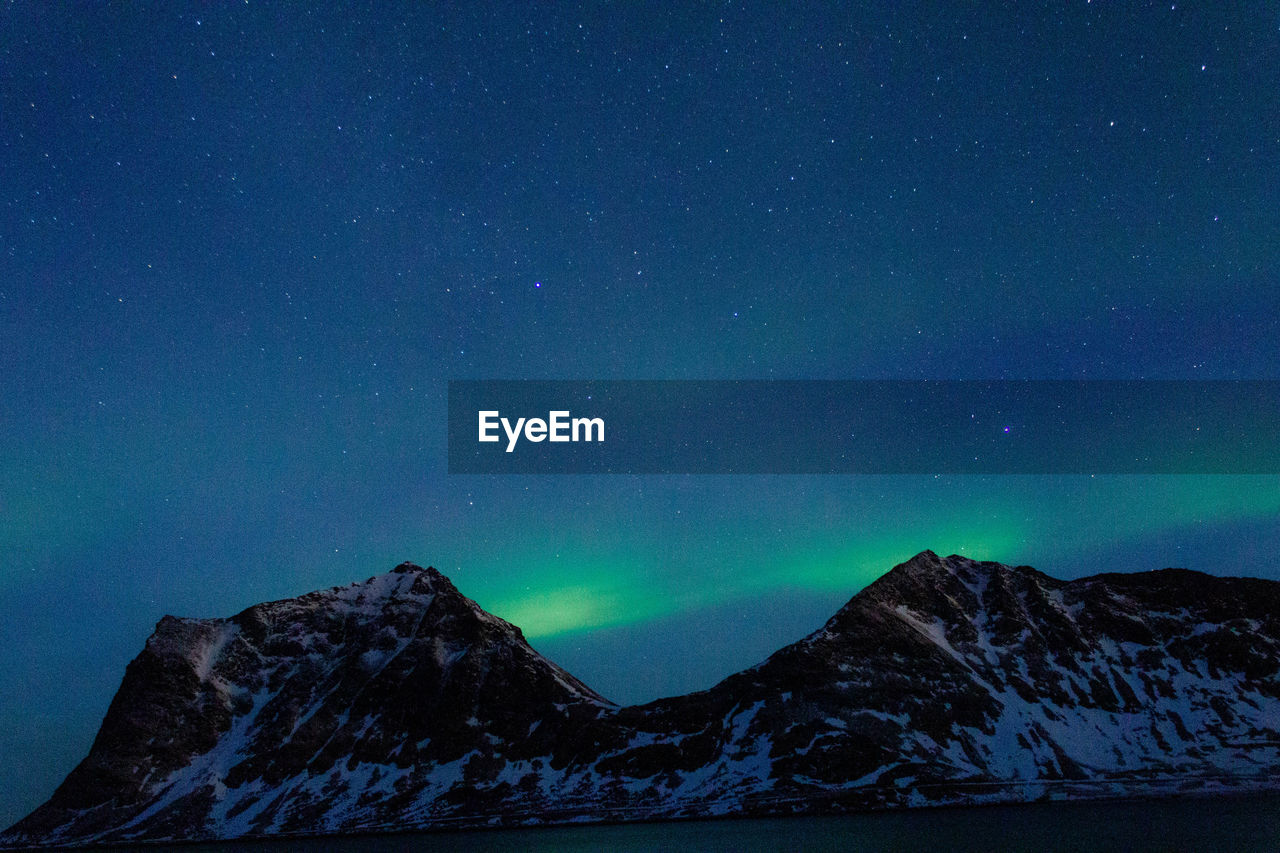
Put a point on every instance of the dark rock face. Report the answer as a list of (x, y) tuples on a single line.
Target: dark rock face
[(399, 703)]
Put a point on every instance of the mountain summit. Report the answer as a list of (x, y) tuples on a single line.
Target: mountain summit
[(398, 703)]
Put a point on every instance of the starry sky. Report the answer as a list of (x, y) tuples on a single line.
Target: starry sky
[(243, 248)]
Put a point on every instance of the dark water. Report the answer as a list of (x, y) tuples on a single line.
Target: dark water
[(1244, 823)]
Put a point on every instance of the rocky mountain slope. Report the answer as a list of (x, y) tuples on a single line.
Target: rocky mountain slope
[(399, 703)]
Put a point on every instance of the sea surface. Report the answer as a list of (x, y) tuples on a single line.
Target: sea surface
[(1235, 823)]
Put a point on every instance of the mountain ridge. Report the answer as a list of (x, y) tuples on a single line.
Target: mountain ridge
[(400, 703)]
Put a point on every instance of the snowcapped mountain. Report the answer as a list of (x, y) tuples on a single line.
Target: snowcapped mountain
[(399, 703)]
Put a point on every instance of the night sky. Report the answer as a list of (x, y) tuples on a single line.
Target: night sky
[(243, 248)]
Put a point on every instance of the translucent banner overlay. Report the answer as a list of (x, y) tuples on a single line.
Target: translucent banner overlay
[(864, 427)]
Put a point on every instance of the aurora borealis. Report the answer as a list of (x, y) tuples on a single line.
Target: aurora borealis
[(243, 248)]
